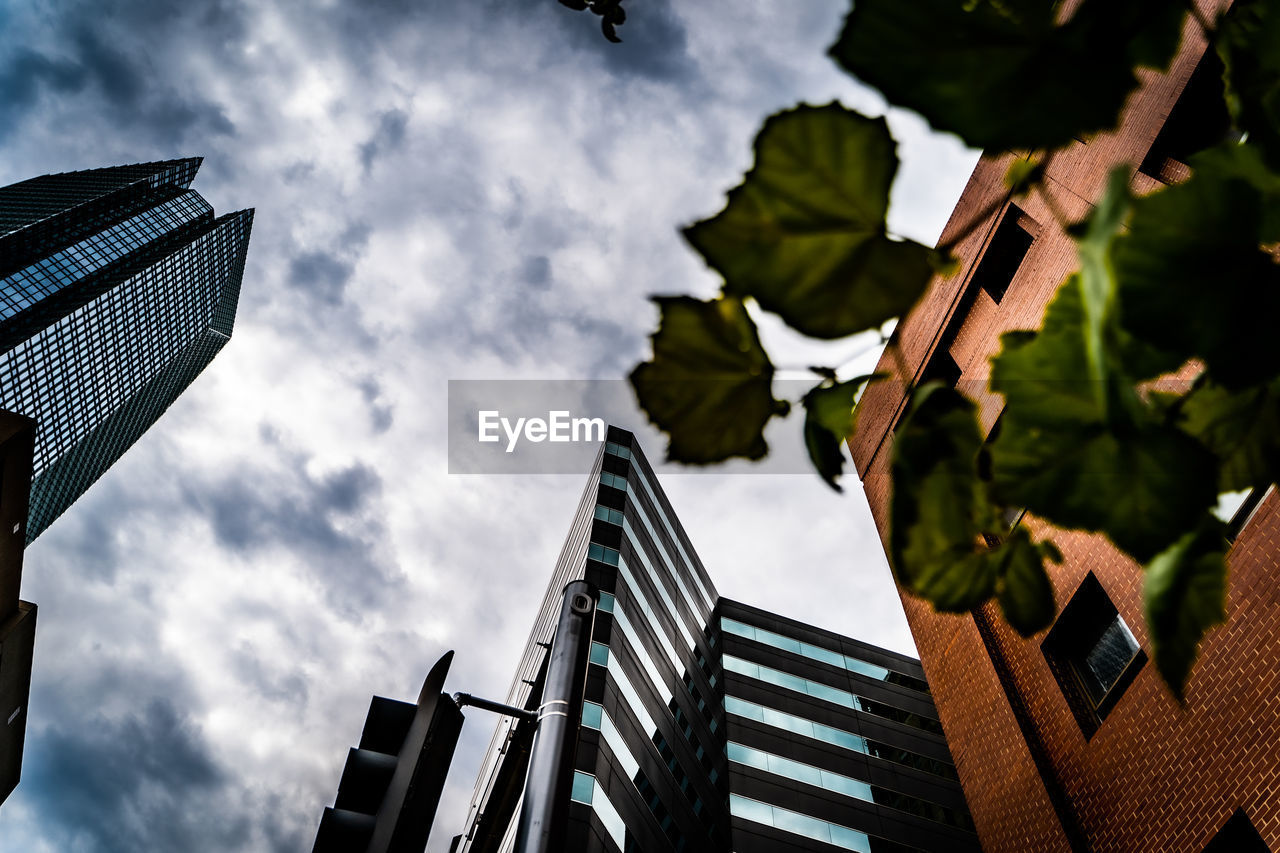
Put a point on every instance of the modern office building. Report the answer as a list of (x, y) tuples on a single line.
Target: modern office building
[(710, 725), (1069, 740), (117, 287), (17, 617)]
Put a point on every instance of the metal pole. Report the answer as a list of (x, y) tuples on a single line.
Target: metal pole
[(547, 785), (462, 700)]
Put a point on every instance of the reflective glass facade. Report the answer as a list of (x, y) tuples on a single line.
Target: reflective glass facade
[(709, 725), (117, 287)]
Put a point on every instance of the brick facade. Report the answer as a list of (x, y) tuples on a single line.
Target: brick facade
[(1155, 776)]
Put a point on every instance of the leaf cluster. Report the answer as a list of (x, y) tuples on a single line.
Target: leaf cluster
[(611, 13), (1183, 277)]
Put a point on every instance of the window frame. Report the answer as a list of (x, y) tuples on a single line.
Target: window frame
[(1245, 512), (1090, 612)]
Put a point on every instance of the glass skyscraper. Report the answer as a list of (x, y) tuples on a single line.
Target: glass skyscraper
[(710, 725), (117, 287)]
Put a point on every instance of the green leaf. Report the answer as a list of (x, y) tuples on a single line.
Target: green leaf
[(709, 384), (1066, 459), (1048, 372), (1098, 280), (1242, 428), (1248, 41), (1185, 593), (1192, 279), (940, 511), (829, 420), (1023, 174), (1109, 347), (939, 505), (804, 234), (1024, 592), (986, 69)]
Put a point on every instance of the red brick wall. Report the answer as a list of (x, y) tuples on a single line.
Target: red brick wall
[(1155, 776)]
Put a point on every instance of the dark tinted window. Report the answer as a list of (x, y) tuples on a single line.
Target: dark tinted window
[(996, 268), (1198, 120), (1106, 660), (1093, 654), (1237, 836), (1004, 253)]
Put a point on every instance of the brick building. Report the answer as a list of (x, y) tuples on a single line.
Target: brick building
[(1069, 740)]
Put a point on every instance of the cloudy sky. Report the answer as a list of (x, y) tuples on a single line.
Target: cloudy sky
[(468, 190)]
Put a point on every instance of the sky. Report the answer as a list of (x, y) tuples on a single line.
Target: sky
[(443, 191)]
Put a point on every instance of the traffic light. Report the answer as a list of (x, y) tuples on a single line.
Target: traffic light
[(391, 783)]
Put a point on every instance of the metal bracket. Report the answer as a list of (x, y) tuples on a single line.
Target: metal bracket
[(464, 699)]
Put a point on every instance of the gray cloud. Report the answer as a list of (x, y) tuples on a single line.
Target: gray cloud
[(381, 413), (26, 75), (313, 517), (386, 138), (654, 44), (536, 272), (320, 275), (254, 667), (116, 76), (133, 96), (120, 782)]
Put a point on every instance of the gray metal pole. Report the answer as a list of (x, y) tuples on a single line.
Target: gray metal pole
[(550, 777), (462, 700)]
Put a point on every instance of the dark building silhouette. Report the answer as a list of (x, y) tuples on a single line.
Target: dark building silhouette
[(710, 725), (17, 618), (117, 287), (1068, 740), (391, 782)]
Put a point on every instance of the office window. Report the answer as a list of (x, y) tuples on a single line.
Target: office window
[(1238, 508), (612, 516), (828, 693), (942, 367), (1197, 121), (818, 653), (1004, 254), (1093, 654), (599, 653), (616, 481), (809, 827), (994, 273), (602, 554), (834, 736), (587, 789)]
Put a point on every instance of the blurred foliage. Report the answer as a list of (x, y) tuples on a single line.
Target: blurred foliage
[(611, 13), (1184, 276)]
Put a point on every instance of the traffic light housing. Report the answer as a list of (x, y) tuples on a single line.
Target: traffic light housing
[(392, 781)]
